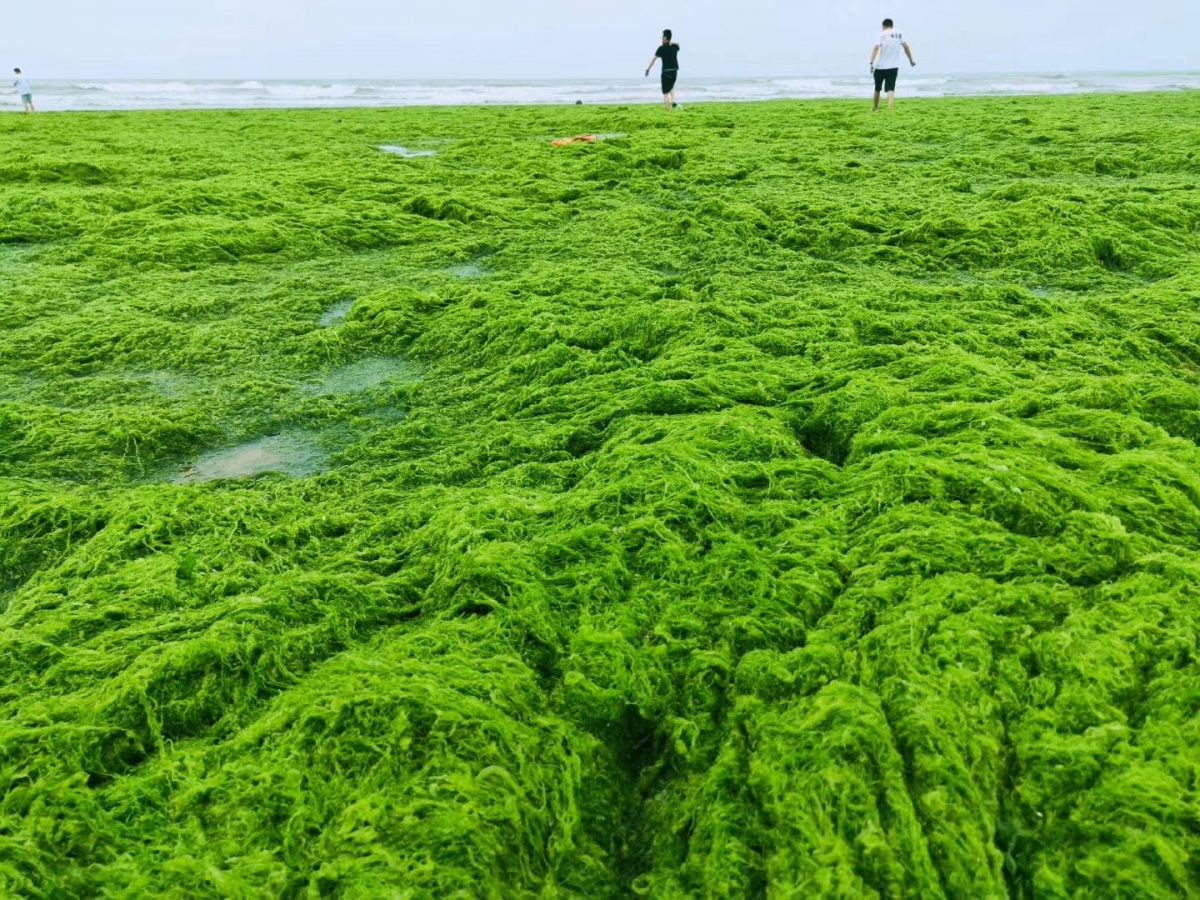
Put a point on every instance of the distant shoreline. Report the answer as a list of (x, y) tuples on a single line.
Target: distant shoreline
[(180, 94)]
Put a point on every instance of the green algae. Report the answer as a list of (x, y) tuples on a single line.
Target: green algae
[(805, 504)]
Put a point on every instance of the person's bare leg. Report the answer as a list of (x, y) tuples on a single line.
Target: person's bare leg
[(875, 108), (667, 102), (891, 99)]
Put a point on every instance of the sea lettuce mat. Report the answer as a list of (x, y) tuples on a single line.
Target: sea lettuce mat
[(766, 500)]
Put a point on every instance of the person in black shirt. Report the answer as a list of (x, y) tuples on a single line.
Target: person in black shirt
[(669, 54)]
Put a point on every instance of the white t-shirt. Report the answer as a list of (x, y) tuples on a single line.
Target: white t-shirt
[(890, 50), (22, 84)]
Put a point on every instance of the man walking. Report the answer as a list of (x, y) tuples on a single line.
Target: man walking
[(24, 89), (669, 54), (885, 62)]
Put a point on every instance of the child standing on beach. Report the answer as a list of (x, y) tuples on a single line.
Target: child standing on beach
[(669, 54), (21, 83), (885, 62)]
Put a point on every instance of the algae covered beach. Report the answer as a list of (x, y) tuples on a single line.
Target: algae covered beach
[(769, 500)]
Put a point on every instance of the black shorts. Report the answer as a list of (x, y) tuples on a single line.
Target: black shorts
[(668, 79), (885, 79)]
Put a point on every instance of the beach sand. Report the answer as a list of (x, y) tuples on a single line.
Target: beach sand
[(770, 500)]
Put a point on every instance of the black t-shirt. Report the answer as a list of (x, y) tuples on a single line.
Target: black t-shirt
[(669, 54)]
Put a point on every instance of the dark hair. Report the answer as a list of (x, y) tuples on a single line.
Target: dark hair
[(18, 71), (888, 23), (667, 33)]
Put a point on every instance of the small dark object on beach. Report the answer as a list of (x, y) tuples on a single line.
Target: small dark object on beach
[(579, 103)]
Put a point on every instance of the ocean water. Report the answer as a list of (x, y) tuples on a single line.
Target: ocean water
[(117, 95)]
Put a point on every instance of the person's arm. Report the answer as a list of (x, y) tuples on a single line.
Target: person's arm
[(874, 53), (653, 60), (908, 53)]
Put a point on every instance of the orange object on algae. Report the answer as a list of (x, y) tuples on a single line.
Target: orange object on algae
[(578, 139)]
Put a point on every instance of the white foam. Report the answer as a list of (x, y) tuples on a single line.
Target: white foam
[(311, 91)]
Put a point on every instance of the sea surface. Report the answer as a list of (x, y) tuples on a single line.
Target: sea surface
[(83, 94)]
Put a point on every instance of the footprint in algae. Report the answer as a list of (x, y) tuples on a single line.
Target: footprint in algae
[(294, 453)]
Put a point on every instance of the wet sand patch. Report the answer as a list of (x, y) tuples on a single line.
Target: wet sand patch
[(15, 254), (406, 152), (298, 452), (364, 375), (472, 268), (17, 387), (336, 314), (76, 392), (294, 453), (172, 385)]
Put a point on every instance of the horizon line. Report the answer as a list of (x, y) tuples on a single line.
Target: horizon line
[(242, 79)]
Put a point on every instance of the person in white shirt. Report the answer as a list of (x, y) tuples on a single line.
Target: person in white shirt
[(24, 89), (885, 62)]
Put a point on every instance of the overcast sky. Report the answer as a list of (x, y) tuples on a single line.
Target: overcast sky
[(583, 38)]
